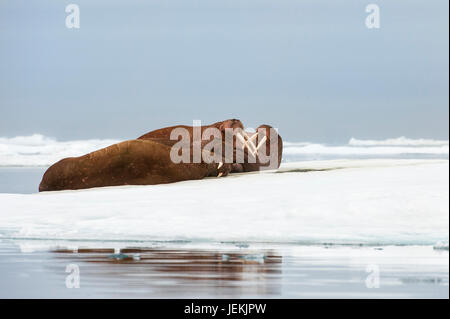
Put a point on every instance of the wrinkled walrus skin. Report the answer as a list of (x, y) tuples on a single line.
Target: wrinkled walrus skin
[(165, 131), (134, 162), (231, 123)]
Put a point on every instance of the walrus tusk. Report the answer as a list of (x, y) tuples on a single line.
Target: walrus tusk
[(220, 174), (250, 142), (261, 142), (220, 165), (242, 139), (247, 143), (251, 138)]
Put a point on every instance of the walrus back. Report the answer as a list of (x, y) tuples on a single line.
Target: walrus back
[(134, 162), (110, 166)]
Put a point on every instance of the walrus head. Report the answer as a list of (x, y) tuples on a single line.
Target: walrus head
[(273, 141), (264, 142), (232, 123)]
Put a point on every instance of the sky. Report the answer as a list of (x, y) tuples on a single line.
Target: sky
[(310, 68)]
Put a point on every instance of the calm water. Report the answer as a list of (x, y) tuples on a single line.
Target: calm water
[(175, 270), (21, 180)]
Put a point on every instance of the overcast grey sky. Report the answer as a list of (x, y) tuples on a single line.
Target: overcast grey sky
[(309, 67)]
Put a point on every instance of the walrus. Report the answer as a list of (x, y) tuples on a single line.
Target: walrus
[(246, 140), (165, 132), (133, 162), (148, 161), (273, 142)]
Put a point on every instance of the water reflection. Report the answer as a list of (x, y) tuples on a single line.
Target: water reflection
[(31, 269), (157, 272)]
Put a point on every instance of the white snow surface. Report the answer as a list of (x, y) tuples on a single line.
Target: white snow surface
[(351, 201)]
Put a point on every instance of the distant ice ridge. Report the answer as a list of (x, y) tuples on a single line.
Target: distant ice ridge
[(348, 150), (343, 201), (39, 150), (367, 148), (400, 141)]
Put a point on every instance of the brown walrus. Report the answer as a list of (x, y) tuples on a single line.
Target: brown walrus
[(221, 126), (134, 162), (147, 161), (273, 141), (166, 131)]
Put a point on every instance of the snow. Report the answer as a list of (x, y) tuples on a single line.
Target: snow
[(345, 201), (399, 141)]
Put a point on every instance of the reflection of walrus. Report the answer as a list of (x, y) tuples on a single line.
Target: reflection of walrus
[(134, 162)]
